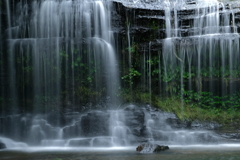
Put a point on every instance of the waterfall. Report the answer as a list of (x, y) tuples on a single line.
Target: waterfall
[(63, 59), (61, 46)]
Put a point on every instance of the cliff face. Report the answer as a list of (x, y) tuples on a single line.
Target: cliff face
[(150, 24), (186, 45)]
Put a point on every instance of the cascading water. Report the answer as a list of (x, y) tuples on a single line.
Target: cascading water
[(55, 44), (64, 69), (55, 47), (199, 48)]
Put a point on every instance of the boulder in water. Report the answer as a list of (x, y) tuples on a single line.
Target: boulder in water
[(151, 148), (2, 145)]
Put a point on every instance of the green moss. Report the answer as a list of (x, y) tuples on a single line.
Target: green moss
[(185, 111), (154, 25), (84, 94)]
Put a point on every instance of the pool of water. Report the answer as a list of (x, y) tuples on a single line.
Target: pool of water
[(193, 152)]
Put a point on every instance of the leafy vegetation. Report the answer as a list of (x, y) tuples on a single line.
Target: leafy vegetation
[(85, 95), (186, 110), (207, 100), (129, 77)]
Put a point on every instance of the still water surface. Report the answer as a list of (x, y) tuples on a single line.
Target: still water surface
[(214, 152)]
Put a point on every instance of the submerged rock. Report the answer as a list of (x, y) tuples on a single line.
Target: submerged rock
[(151, 148), (2, 145)]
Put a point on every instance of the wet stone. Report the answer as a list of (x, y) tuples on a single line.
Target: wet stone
[(2, 145), (151, 148)]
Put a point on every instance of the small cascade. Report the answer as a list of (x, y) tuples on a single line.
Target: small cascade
[(118, 130), (168, 18), (130, 125), (12, 144)]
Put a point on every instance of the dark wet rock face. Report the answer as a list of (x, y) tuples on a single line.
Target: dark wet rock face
[(2, 145), (95, 123), (176, 123), (134, 119), (12, 124), (149, 24), (231, 135), (205, 125), (151, 148)]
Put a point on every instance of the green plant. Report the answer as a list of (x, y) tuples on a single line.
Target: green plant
[(188, 75), (77, 62), (63, 55), (171, 73), (133, 48), (129, 77), (154, 25), (207, 100), (85, 94)]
